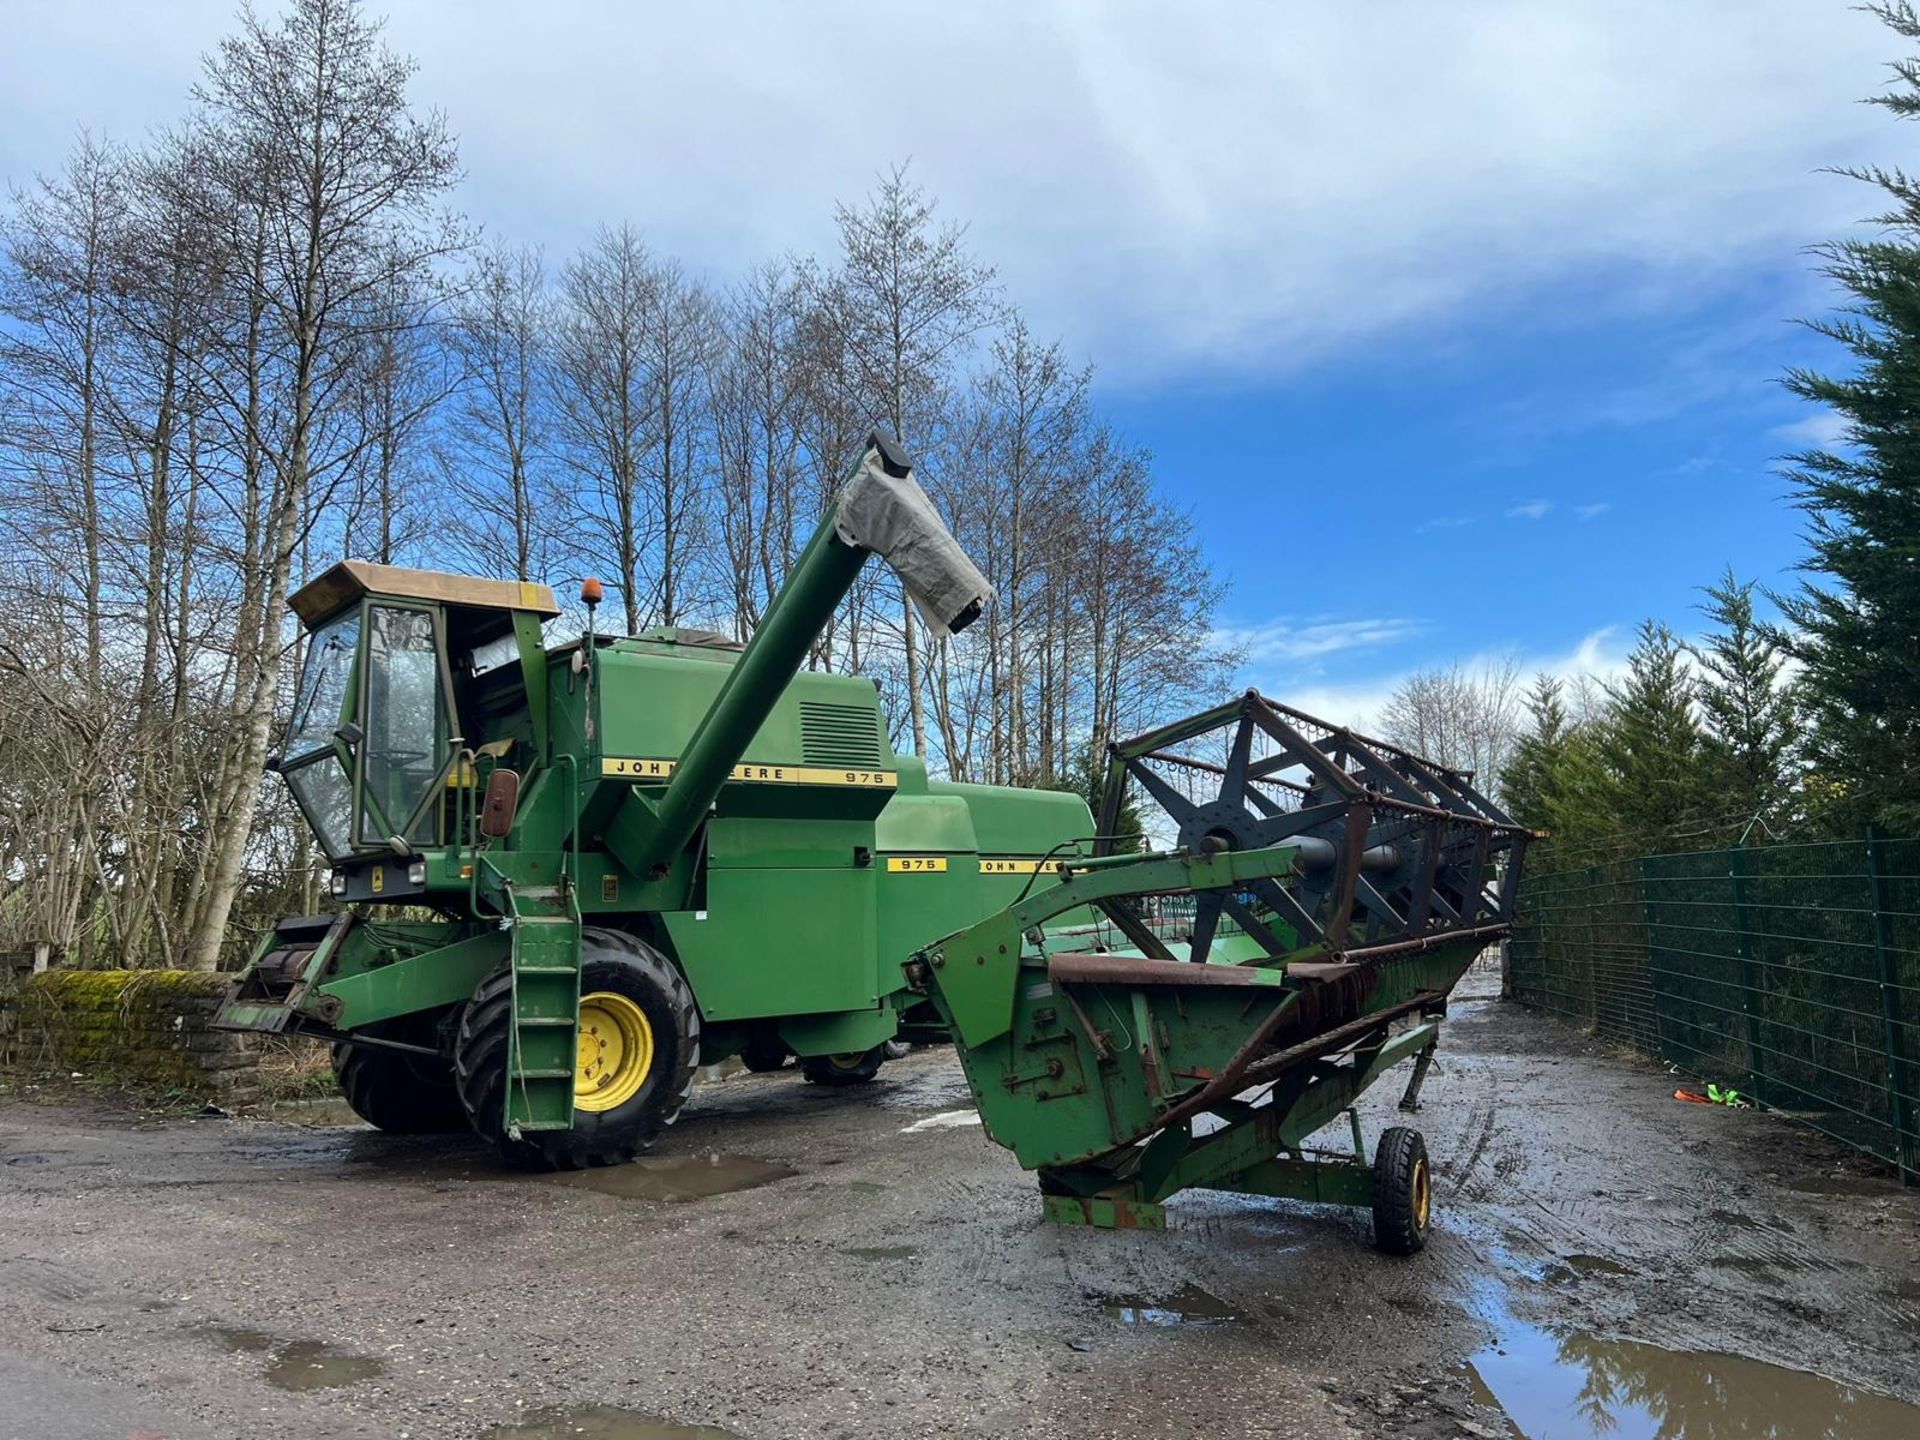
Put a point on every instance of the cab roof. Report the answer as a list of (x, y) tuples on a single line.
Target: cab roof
[(343, 584)]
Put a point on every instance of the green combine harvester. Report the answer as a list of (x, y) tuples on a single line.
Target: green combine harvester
[(564, 878)]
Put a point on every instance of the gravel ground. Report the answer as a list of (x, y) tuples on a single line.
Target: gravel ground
[(797, 1262)]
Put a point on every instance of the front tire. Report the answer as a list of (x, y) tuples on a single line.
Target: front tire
[(639, 1047), (396, 1090), (1402, 1192)]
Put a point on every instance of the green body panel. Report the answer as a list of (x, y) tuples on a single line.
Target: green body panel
[(428, 981)]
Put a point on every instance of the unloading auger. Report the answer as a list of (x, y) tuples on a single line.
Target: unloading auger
[(1226, 997)]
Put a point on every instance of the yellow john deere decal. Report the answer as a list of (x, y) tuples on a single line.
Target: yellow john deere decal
[(1000, 866), (630, 768), (917, 864)]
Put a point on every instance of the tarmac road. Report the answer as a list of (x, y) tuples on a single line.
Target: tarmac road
[(797, 1262)]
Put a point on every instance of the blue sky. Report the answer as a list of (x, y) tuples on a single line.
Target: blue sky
[(1457, 327)]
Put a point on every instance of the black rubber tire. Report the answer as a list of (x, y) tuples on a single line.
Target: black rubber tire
[(609, 960), (395, 1091), (765, 1051), (830, 1069), (1402, 1192)]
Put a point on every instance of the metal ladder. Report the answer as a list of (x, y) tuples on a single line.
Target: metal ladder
[(544, 1043)]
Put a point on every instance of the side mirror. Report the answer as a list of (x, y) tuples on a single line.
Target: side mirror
[(503, 798)]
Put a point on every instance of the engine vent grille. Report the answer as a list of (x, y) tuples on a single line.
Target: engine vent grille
[(838, 734)]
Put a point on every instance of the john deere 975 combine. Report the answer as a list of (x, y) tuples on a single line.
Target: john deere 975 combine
[(565, 877)]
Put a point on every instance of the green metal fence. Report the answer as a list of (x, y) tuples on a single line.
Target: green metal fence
[(1791, 972)]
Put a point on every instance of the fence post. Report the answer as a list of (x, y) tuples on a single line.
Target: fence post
[(1657, 1047), (1906, 1145), (1752, 1003)]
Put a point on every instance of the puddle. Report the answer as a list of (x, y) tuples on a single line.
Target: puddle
[(316, 1365), (674, 1178), (1189, 1305), (865, 1187), (1573, 1267), (945, 1120), (602, 1422), (297, 1364), (1762, 1265), (1576, 1387), (881, 1252), (1842, 1185), (334, 1114), (1733, 1220)]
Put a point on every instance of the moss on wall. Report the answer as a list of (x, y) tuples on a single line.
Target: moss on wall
[(135, 1027)]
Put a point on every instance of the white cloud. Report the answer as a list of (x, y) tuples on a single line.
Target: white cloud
[(1284, 639), (1822, 430), (1531, 510), (1239, 186), (1593, 511), (1600, 656)]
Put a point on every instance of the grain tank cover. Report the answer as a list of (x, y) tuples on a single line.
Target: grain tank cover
[(348, 581)]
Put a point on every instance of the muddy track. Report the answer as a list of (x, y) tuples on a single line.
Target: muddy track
[(874, 1276)]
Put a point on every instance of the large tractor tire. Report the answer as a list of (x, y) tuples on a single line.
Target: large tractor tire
[(852, 1069), (395, 1090), (639, 1047)]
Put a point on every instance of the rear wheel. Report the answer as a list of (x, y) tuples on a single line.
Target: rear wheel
[(1402, 1192), (639, 1045), (765, 1051), (856, 1067), (398, 1091)]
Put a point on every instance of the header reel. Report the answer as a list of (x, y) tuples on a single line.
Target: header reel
[(1393, 849)]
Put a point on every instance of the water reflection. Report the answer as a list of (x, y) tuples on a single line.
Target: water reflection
[(1573, 1386)]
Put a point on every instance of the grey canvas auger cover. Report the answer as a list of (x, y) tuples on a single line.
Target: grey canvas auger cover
[(892, 516)]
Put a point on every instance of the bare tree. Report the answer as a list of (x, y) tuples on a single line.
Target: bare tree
[(496, 445), (1464, 717), (905, 301), (603, 405), (333, 187)]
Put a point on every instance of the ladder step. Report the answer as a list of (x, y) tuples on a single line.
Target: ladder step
[(549, 1020), (543, 1075), (543, 969)]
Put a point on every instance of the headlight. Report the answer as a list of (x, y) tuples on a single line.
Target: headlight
[(337, 883), (417, 873)]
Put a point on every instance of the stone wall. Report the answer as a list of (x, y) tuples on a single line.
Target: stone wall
[(134, 1027)]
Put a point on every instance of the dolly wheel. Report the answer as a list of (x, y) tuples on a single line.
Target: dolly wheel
[(639, 1045), (856, 1067), (1402, 1191)]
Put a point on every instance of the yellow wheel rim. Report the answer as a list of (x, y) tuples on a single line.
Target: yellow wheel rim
[(1422, 1195), (616, 1051), (848, 1059)]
